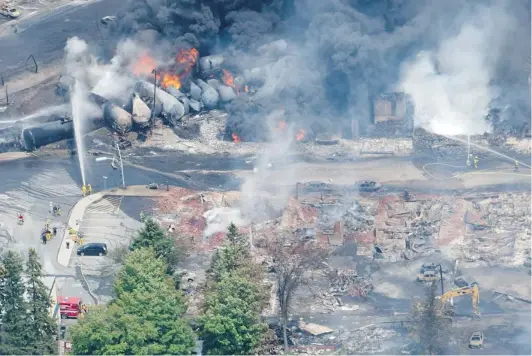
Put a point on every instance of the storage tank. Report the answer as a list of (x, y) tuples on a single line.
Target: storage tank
[(38, 136)]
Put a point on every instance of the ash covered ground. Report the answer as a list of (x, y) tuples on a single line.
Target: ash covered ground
[(354, 125)]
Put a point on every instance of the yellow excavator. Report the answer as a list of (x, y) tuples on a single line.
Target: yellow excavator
[(472, 290)]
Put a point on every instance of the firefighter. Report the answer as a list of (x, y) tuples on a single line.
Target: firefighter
[(475, 162), (80, 240), (43, 237), (89, 189), (84, 190), (20, 219), (47, 224), (54, 230), (48, 235), (516, 166)]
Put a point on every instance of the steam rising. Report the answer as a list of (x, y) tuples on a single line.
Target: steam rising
[(452, 86)]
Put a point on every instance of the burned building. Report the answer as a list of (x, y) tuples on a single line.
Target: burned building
[(393, 113)]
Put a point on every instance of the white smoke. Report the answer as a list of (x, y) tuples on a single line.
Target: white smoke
[(257, 200), (218, 219), (452, 86)]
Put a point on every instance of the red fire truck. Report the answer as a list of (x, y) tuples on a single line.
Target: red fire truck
[(69, 307)]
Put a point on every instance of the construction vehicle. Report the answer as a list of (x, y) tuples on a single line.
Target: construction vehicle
[(429, 273), (472, 290)]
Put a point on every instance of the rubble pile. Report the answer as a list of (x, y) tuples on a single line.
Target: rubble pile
[(184, 211), (499, 229), (405, 229), (365, 340), (348, 282), (359, 218), (427, 142)]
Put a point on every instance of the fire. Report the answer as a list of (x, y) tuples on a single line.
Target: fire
[(228, 79), (236, 138), (300, 135), (187, 57), (145, 65), (170, 80)]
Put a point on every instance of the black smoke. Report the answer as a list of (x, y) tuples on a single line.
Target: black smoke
[(342, 52)]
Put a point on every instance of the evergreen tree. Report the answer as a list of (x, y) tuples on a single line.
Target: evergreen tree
[(146, 317), (15, 317), (152, 235), (235, 254), (430, 329), (230, 324), (43, 329)]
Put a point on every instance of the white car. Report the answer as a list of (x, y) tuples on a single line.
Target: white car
[(10, 12), (107, 19)]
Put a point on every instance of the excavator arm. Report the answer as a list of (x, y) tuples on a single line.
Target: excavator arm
[(473, 291)]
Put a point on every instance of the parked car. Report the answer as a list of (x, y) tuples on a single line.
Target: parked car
[(476, 341), (368, 186), (107, 19), (153, 186), (10, 12), (93, 249)]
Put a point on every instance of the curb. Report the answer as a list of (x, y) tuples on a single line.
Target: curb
[(91, 293), (63, 258)]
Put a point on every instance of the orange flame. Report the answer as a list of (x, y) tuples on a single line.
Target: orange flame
[(236, 138), (300, 135), (144, 65), (228, 79), (170, 80), (187, 57)]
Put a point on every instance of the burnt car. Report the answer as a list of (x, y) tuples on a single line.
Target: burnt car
[(464, 281), (153, 186), (368, 186)]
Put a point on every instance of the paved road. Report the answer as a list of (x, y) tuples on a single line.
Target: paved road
[(45, 35)]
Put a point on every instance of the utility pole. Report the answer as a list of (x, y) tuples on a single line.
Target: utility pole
[(104, 183), (121, 165), (154, 93), (441, 280)]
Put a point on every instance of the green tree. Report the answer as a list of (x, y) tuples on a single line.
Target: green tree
[(146, 317), (430, 329), (230, 324), (232, 256), (15, 317), (43, 328), (152, 235)]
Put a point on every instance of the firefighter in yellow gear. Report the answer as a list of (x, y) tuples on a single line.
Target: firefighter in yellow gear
[(84, 190), (475, 162), (89, 189), (48, 235), (47, 223)]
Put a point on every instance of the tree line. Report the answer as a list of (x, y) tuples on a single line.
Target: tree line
[(148, 312), (26, 327)]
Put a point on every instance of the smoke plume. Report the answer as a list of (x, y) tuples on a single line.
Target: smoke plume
[(339, 54), (453, 86)]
